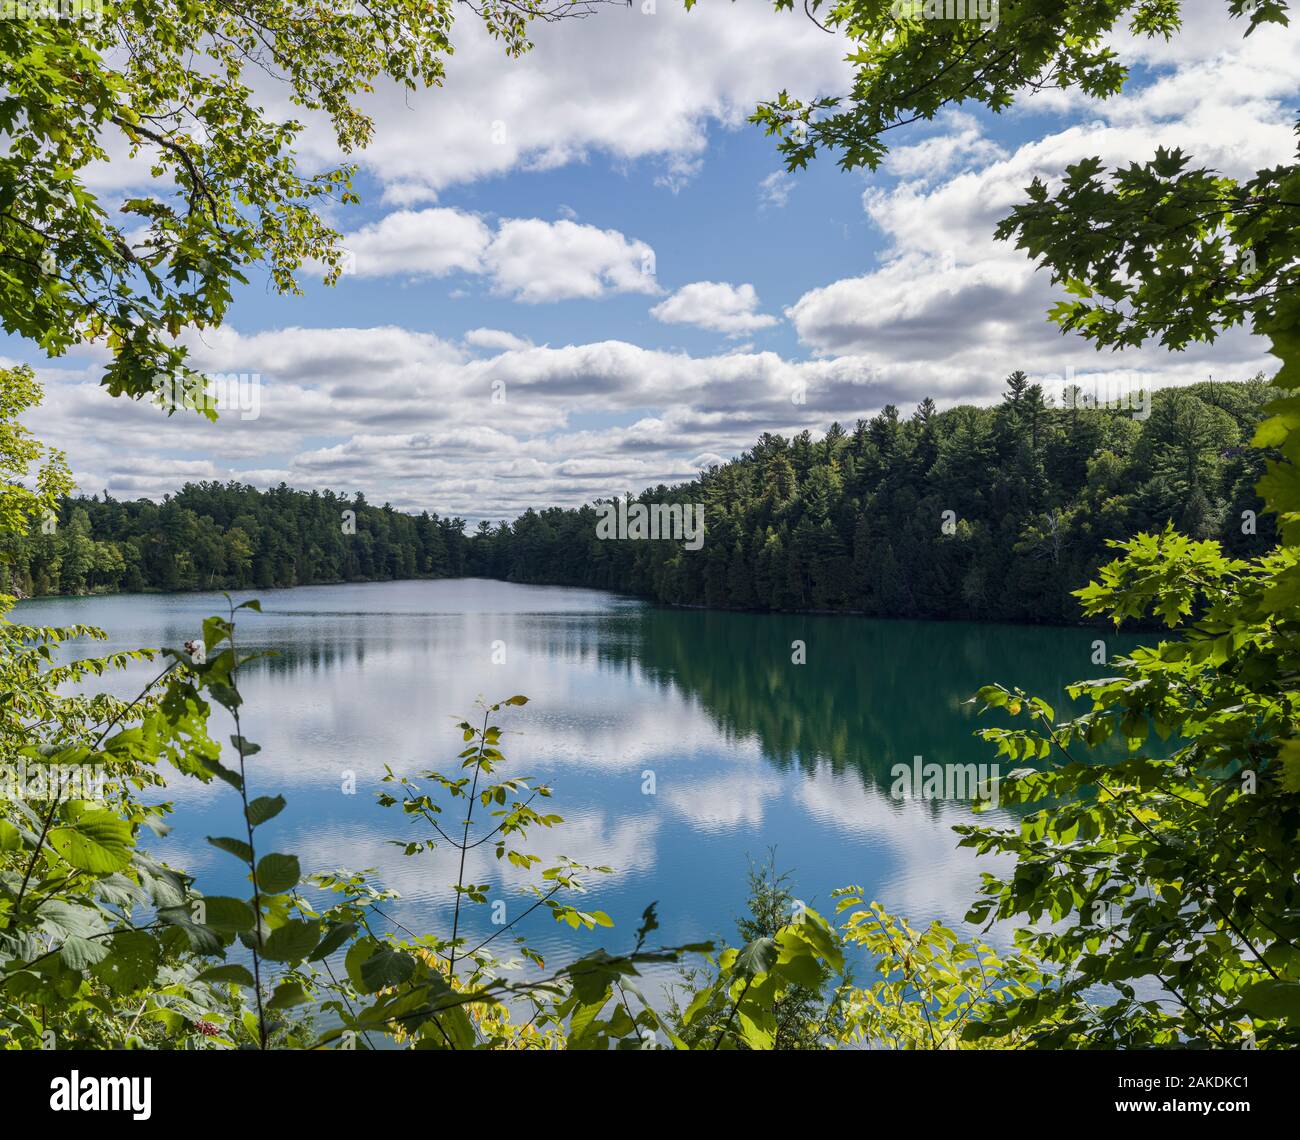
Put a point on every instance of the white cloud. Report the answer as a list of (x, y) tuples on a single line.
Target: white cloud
[(714, 305), (621, 83), (411, 419), (497, 339), (919, 307), (775, 189), (948, 297), (431, 243), (960, 144), (525, 258), (533, 260), (678, 172)]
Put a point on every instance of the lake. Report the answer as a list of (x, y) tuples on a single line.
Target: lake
[(743, 749)]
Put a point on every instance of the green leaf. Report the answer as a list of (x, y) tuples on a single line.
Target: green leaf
[(218, 769), (80, 953), (797, 962), (758, 957), (132, 962), (185, 933), (98, 842), (223, 913), (291, 942), (288, 994), (386, 967), (233, 972), (1273, 999), (1289, 755), (236, 847), (334, 938), (264, 808), (277, 873), (10, 836), (225, 695)]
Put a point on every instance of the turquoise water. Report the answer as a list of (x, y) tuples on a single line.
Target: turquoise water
[(742, 749)]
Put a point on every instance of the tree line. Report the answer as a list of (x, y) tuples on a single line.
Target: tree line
[(215, 535), (985, 513), (989, 513)]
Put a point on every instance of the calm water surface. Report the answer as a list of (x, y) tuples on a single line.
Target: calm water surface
[(748, 751)]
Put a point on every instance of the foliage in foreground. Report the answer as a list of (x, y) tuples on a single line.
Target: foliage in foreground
[(173, 83), (103, 946), (1167, 878), (1171, 871)]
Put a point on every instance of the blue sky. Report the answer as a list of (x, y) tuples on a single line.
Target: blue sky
[(582, 272), (719, 225)]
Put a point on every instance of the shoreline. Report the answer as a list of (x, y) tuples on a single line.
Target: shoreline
[(1045, 624)]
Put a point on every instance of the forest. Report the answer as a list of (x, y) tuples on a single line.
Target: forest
[(216, 536), (853, 521)]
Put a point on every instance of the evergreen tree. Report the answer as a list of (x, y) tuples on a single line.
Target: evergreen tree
[(1030, 494)]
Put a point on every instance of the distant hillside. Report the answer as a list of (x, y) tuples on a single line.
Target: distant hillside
[(854, 521), (228, 535)]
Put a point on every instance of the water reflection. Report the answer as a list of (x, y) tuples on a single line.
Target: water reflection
[(747, 749)]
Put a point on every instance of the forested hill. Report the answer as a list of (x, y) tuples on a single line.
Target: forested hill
[(228, 535), (852, 521)]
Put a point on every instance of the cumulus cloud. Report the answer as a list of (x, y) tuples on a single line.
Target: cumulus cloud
[(920, 306), (622, 83), (412, 419), (960, 143), (714, 305), (533, 260), (431, 243), (421, 422), (946, 291), (525, 258), (497, 339)]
